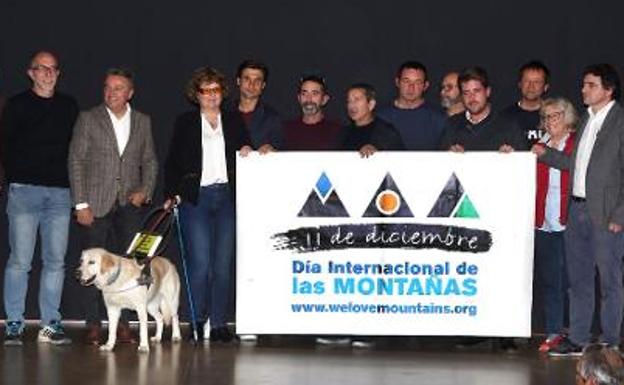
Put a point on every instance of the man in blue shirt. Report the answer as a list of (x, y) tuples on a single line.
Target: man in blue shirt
[(419, 123)]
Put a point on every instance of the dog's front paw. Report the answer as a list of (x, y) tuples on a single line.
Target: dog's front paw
[(155, 339), (107, 348), (176, 338), (143, 348)]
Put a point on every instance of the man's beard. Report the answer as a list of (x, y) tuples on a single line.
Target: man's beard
[(447, 102), (310, 108)]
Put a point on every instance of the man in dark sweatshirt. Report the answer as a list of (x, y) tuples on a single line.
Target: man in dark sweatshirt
[(480, 128), (36, 129), (366, 132)]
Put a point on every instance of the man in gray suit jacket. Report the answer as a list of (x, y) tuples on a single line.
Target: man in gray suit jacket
[(112, 173), (594, 237)]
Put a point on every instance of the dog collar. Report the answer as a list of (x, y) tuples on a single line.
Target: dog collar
[(114, 277)]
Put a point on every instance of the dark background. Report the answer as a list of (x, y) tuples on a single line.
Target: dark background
[(348, 41)]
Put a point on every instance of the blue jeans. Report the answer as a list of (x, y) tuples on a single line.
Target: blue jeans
[(209, 229), (550, 275), (30, 208), (589, 247)]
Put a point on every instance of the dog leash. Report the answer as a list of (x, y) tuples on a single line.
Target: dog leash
[(151, 240)]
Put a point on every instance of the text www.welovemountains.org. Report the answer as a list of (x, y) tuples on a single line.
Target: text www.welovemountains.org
[(418, 308)]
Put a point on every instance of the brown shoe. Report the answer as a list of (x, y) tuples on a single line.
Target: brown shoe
[(93, 334), (124, 334)]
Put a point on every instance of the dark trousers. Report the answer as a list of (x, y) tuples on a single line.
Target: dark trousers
[(113, 231), (209, 230), (550, 274), (590, 247)]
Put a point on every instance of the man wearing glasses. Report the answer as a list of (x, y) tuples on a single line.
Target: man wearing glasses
[(36, 129), (112, 172)]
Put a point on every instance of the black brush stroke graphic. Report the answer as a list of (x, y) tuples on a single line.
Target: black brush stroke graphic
[(310, 239)]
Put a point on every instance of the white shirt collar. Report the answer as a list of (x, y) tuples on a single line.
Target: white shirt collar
[(602, 113), (125, 115), (469, 117)]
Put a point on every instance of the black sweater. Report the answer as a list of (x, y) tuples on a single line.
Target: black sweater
[(36, 133), (380, 134), (487, 135)]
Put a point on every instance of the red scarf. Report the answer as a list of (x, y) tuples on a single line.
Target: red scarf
[(543, 175)]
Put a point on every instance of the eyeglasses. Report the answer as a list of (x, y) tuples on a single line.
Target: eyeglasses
[(210, 91), (44, 68), (553, 116)]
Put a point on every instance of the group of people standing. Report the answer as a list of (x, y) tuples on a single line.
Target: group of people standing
[(101, 163)]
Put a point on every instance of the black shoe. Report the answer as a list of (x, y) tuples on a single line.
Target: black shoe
[(508, 345), (199, 328), (124, 333), (221, 334), (566, 348), (472, 342), (93, 336)]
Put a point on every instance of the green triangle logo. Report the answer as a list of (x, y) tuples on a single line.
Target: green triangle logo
[(466, 209), (453, 202)]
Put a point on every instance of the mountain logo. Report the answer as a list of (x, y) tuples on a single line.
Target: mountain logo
[(453, 202), (323, 200), (388, 201)]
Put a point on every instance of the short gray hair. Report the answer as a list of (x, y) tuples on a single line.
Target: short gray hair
[(123, 72), (570, 116)]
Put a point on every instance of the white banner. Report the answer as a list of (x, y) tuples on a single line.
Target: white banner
[(396, 244)]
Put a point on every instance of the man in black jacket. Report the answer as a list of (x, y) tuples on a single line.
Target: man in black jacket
[(480, 128), (261, 120)]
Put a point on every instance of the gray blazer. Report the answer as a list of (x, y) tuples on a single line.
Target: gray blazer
[(604, 184), (97, 174)]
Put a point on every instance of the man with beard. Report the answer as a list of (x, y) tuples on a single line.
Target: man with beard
[(533, 84), (480, 128), (312, 131), (419, 123), (450, 95)]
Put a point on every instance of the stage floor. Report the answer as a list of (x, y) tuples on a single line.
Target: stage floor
[(281, 360)]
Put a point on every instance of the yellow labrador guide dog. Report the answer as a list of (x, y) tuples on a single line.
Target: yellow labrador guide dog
[(117, 278)]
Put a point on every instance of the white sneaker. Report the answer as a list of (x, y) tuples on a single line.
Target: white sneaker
[(207, 329), (248, 337), (53, 334), (362, 344), (333, 340)]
